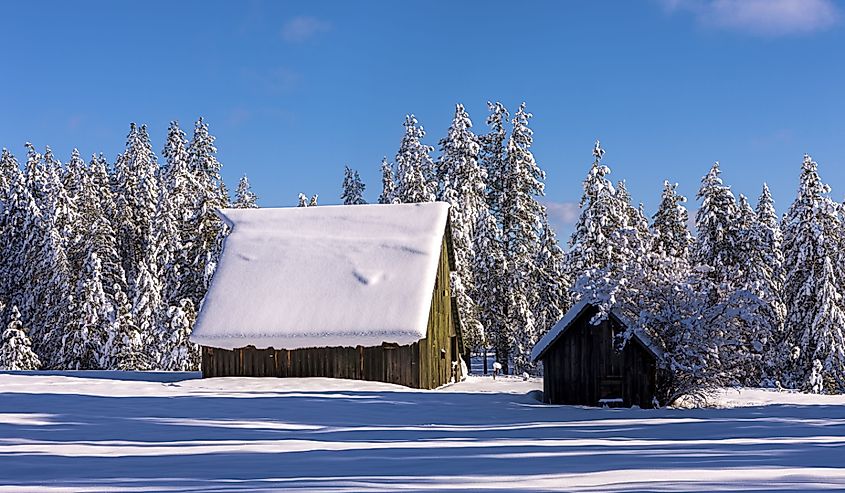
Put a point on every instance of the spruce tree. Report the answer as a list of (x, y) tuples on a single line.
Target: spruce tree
[(520, 214), (415, 180), (669, 226), (208, 228), (388, 185), (92, 320), (716, 223), (461, 183), (180, 353), (244, 197), (550, 278), (812, 284), (353, 188), (767, 273), (15, 348), (603, 214)]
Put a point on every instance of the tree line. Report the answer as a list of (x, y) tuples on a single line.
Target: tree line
[(104, 264)]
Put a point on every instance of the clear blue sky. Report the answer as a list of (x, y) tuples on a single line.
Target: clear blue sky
[(296, 90)]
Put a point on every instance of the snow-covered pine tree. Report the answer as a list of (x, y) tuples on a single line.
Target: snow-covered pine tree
[(603, 214), (147, 309), (91, 321), (415, 168), (550, 279), (636, 217), (208, 229), (136, 198), (42, 255), (492, 156), (244, 196), (718, 256), (15, 347), (461, 183), (181, 354), (812, 285), (669, 226), (716, 224), (767, 273), (98, 213), (520, 214), (491, 295), (353, 188), (388, 185), (126, 345), (9, 168), (754, 328)]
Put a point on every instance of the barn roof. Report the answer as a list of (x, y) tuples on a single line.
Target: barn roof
[(557, 331), (324, 276)]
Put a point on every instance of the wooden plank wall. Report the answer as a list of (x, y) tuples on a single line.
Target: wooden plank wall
[(440, 347), (583, 367), (423, 364)]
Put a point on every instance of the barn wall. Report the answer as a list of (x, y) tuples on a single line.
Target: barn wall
[(441, 345), (418, 365), (583, 366)]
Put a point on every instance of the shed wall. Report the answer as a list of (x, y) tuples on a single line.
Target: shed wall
[(584, 366)]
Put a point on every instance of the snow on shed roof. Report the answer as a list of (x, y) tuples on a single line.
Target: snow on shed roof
[(324, 276), (564, 323)]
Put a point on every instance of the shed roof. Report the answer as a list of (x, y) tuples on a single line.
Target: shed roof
[(557, 331), (324, 276)]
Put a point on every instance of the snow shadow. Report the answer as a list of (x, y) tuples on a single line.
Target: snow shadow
[(416, 441)]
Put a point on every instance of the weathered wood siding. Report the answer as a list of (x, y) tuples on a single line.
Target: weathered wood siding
[(584, 366), (423, 364)]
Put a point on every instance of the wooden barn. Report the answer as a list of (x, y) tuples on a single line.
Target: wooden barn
[(355, 292), (583, 365)]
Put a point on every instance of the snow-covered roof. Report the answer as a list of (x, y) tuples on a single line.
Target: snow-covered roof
[(557, 331), (324, 276)]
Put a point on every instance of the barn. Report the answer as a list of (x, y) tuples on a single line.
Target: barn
[(355, 292), (583, 365)]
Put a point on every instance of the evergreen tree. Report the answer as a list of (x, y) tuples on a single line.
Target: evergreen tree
[(415, 181), (353, 188), (550, 279), (520, 214), (208, 229), (388, 186), (492, 157), (461, 183), (244, 197), (603, 214), (15, 348), (491, 294), (136, 190), (717, 229), (91, 322), (181, 354), (812, 284), (670, 231)]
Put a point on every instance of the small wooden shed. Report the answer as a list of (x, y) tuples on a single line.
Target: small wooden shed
[(355, 292), (584, 365)]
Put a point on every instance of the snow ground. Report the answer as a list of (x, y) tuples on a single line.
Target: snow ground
[(112, 431)]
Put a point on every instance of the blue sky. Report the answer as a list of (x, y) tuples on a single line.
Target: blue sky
[(296, 90)]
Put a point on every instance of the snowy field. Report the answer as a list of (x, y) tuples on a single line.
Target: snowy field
[(102, 431)]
